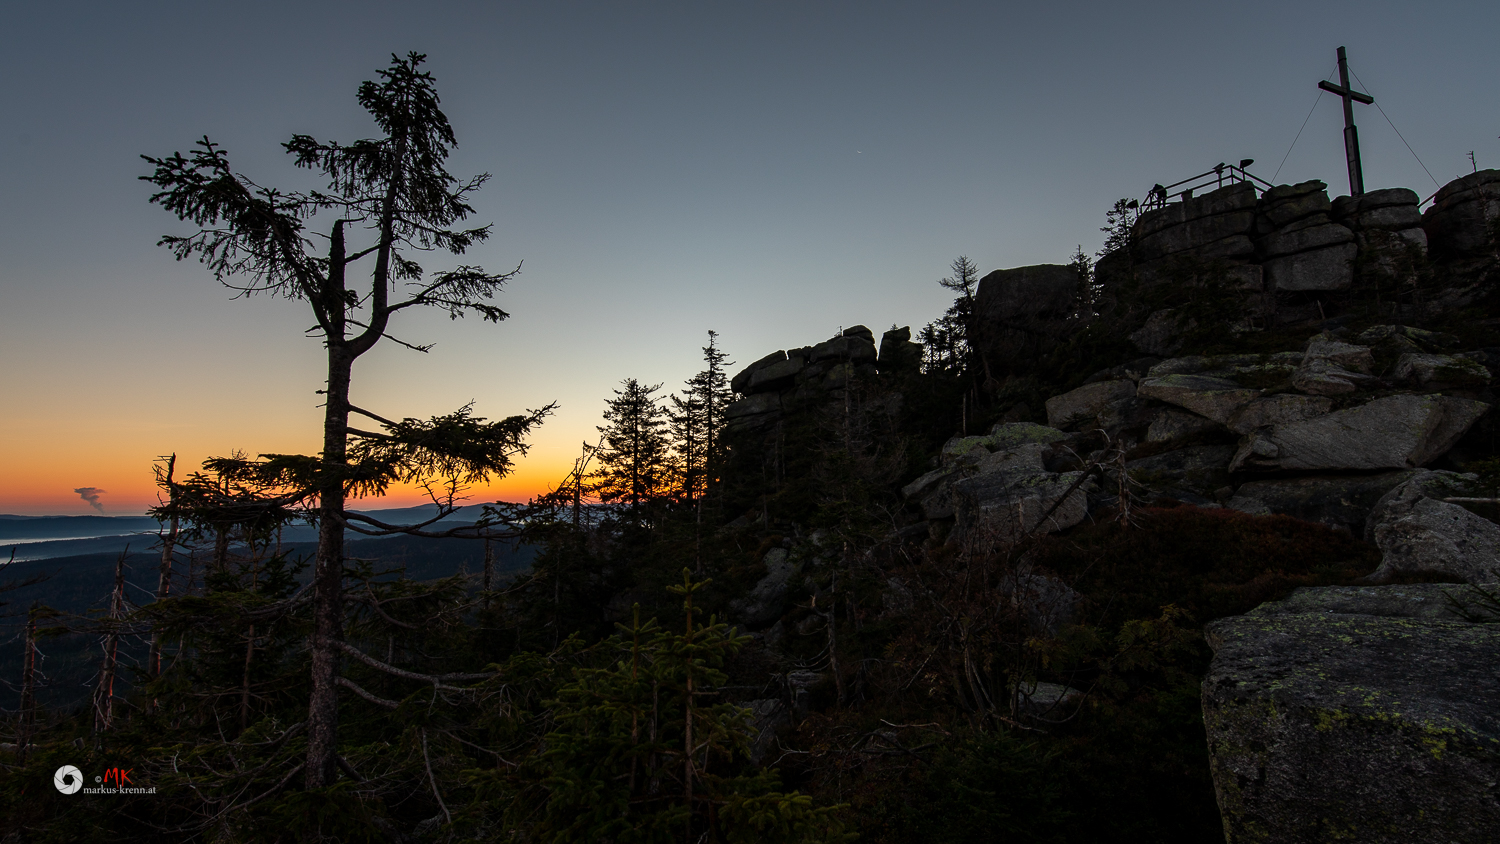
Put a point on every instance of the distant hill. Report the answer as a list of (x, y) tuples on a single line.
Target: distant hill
[(48, 537), (71, 527), (82, 583)]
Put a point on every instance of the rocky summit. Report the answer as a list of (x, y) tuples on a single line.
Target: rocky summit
[(1268, 352)]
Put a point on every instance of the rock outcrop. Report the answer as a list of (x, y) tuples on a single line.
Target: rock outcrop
[(1290, 253), (1003, 506), (766, 601), (1360, 713), (1326, 429), (1210, 396), (1420, 532), (1460, 221), (998, 485), (1390, 432), (1085, 404), (1023, 312), (784, 380), (1355, 713)]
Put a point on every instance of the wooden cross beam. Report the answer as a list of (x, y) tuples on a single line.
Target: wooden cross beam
[(1351, 135)]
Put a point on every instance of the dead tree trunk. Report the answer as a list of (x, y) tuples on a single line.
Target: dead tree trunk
[(27, 715), (221, 552), (164, 580), (104, 695), (687, 739), (489, 570), (249, 653)]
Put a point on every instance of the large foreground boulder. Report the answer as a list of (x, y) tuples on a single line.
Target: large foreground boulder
[(1355, 714)]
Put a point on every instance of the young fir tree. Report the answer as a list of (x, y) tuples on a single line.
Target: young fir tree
[(1089, 290), (697, 426), (633, 457), (642, 751), (685, 430), (1117, 223), (948, 339), (396, 192)]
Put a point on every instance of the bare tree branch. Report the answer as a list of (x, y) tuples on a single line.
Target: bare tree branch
[(432, 779), (434, 679), (378, 701)]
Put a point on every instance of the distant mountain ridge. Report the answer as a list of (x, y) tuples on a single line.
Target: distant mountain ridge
[(76, 527), (47, 537)]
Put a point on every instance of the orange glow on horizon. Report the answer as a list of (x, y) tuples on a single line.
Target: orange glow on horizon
[(33, 486)]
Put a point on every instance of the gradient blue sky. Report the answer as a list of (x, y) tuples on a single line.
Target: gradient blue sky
[(773, 171)]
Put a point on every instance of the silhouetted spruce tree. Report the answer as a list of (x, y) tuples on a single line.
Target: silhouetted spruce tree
[(1117, 224), (948, 339), (394, 194), (634, 460), (688, 441), (697, 425), (1089, 289)]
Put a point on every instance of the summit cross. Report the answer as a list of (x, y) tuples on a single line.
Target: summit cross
[(1351, 135)]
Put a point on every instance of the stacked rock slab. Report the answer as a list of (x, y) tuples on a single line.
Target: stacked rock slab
[(1460, 222), (782, 380), (1292, 250), (1285, 240), (1215, 226), (1299, 245), (1356, 714), (1388, 231)]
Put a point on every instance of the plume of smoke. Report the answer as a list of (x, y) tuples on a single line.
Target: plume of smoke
[(91, 495)]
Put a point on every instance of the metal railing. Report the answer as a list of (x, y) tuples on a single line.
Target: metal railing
[(1217, 177)]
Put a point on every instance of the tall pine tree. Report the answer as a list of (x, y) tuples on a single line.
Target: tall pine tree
[(697, 426), (396, 192), (634, 468)]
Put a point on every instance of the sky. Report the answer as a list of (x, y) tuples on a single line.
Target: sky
[(772, 171)]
